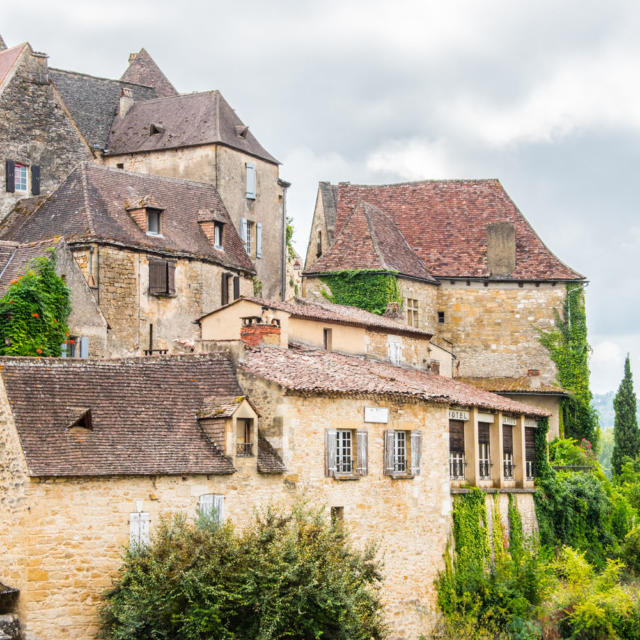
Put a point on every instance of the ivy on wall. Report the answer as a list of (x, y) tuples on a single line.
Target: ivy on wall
[(368, 289), (34, 311), (568, 348)]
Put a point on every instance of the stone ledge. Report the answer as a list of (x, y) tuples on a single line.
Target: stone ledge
[(462, 490)]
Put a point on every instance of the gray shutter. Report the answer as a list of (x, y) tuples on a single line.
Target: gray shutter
[(244, 231), (84, 347), (35, 180), (218, 505), (331, 437), (362, 460), (171, 277), (205, 504), (416, 452), (63, 349), (389, 446), (251, 181), (157, 276), (259, 240), (236, 287), (10, 174), (224, 289), (145, 520)]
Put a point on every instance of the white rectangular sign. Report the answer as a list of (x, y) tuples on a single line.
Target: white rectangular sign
[(376, 414), (530, 422), (486, 417), (458, 414), (509, 421)]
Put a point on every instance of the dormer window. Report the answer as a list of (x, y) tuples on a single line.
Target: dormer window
[(244, 440), (217, 234), (154, 227), (155, 128)]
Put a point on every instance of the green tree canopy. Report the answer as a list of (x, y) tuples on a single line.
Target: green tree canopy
[(626, 432)]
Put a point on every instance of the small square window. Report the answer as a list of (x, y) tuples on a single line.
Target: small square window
[(327, 339), (441, 317), (154, 222), (21, 177)]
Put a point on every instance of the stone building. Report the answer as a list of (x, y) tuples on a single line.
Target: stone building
[(155, 252), (470, 267), (119, 443)]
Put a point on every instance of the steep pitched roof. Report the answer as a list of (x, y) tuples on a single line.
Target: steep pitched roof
[(8, 58), (143, 414), (369, 239), (186, 120), (142, 69), (93, 102), (92, 205), (445, 223), (329, 201), (314, 371), (520, 385), (15, 257)]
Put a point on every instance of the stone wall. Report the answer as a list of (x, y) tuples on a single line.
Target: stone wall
[(318, 224), (415, 352), (427, 296), (36, 130)]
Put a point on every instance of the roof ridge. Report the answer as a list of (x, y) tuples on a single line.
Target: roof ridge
[(372, 232), (425, 181), (191, 94), (89, 75)]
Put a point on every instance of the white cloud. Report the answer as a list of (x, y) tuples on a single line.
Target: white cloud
[(607, 360)]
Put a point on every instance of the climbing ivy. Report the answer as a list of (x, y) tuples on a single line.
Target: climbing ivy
[(568, 348), (368, 289), (516, 534), (34, 311)]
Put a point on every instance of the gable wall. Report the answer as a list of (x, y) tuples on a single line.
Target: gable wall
[(317, 224)]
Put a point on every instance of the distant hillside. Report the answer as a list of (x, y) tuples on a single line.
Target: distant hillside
[(603, 403)]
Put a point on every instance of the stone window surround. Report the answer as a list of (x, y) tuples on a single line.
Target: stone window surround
[(21, 177)]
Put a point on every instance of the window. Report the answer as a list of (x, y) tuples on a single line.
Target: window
[(412, 312), (139, 529), (251, 184), (217, 234), (211, 505), (17, 178), (327, 339), (346, 453), (395, 349), (258, 240), (246, 230), (319, 245), (244, 439), (75, 347), (162, 278), (507, 451), (530, 452), (484, 451), (224, 287), (402, 453), (21, 177), (120, 165), (153, 221), (457, 463), (441, 317)]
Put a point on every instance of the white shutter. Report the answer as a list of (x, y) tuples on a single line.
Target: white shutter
[(244, 227), (144, 528), (389, 451), (416, 452), (134, 529), (251, 181), (259, 240), (362, 461), (84, 347), (331, 438), (218, 506), (206, 504)]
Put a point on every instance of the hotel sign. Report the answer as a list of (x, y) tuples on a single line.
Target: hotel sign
[(458, 414), (509, 421)]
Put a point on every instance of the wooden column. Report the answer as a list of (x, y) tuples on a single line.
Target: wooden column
[(471, 448), (497, 471), (519, 453)]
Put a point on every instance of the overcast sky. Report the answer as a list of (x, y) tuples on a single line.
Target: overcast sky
[(543, 95)]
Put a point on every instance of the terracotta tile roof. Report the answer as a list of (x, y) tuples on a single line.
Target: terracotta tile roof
[(445, 223), (142, 69), (523, 385), (187, 120), (369, 239), (320, 372), (93, 102), (8, 58), (220, 406), (14, 259), (142, 412), (338, 313), (91, 205), (268, 459)]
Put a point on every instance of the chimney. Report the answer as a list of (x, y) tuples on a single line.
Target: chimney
[(126, 101), (40, 74), (132, 57), (258, 330), (393, 311), (534, 376), (434, 367), (501, 248)]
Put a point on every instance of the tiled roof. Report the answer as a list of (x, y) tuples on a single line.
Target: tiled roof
[(369, 239), (523, 385), (187, 120), (92, 205), (142, 410), (8, 58), (322, 372), (142, 69), (220, 406), (15, 257), (340, 314), (93, 102), (268, 459), (445, 223)]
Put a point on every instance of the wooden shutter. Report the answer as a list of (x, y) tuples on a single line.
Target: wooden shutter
[(218, 506), (134, 529), (416, 451), (331, 437), (10, 174), (63, 349), (205, 504), (243, 231), (362, 453), (530, 443), (389, 450), (236, 287), (224, 289), (456, 436), (35, 180), (251, 181), (84, 347), (507, 438), (157, 276), (171, 277), (483, 432), (259, 240)]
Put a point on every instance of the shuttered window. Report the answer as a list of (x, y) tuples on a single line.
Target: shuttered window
[(484, 451), (456, 436), (162, 277), (258, 240), (21, 178), (507, 438), (139, 529), (402, 453), (236, 287), (530, 451), (346, 452), (224, 288), (251, 181), (211, 505)]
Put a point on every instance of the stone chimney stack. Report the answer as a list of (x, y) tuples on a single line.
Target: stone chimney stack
[(534, 375), (501, 248), (257, 330), (126, 101)]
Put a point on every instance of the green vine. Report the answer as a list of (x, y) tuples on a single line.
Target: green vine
[(34, 311), (368, 289), (516, 533), (568, 348), (289, 233)]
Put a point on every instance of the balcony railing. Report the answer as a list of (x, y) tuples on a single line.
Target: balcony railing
[(244, 449), (508, 466), (530, 469), (457, 466)]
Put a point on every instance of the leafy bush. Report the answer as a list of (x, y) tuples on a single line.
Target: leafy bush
[(286, 576), (570, 452)]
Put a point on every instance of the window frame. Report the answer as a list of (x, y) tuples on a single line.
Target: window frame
[(402, 461), (245, 449), (345, 455), (153, 213), (169, 279), (218, 235), (413, 312), (20, 170)]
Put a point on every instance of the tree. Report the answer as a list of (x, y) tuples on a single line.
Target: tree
[(34, 311), (625, 430)]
